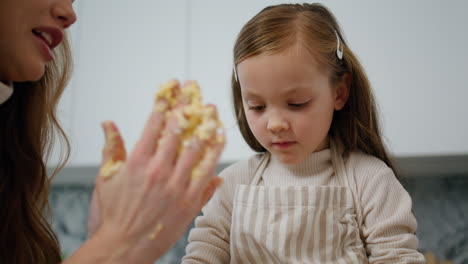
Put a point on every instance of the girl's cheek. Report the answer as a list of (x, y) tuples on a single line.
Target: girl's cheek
[(252, 120)]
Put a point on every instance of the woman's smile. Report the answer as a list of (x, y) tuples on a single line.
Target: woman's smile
[(48, 38)]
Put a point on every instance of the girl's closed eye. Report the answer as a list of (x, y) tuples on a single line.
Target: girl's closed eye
[(298, 105), (256, 108)]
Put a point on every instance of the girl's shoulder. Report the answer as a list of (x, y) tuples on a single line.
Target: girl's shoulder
[(242, 172), (366, 168), (360, 161)]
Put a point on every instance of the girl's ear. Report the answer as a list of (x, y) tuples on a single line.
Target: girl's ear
[(342, 91)]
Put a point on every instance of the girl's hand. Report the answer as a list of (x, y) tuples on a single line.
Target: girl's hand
[(149, 201)]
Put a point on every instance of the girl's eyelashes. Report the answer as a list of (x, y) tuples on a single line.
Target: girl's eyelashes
[(256, 108), (298, 105), (295, 106)]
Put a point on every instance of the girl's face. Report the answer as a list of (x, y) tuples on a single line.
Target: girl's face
[(29, 31), (289, 102)]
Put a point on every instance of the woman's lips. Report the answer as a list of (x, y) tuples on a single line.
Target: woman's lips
[(48, 38), (44, 47), (52, 36)]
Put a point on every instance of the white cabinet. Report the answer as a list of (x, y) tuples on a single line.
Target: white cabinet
[(414, 55), (65, 109), (124, 50), (413, 52), (213, 29)]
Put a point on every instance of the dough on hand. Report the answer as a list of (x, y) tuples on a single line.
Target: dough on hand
[(197, 121), (114, 153)]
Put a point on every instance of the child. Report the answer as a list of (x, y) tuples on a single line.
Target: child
[(322, 189)]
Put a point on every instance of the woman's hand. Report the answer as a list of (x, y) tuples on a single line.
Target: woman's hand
[(151, 199)]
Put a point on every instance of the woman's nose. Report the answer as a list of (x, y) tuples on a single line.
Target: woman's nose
[(63, 11), (276, 122)]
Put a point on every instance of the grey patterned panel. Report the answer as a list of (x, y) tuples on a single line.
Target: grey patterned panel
[(70, 213), (440, 204), (70, 206), (441, 207)]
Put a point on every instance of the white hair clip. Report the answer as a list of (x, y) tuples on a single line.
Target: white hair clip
[(235, 73), (339, 52)]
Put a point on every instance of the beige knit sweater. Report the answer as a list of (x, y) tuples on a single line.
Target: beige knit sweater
[(387, 223)]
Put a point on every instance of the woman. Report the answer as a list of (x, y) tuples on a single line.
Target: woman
[(35, 68)]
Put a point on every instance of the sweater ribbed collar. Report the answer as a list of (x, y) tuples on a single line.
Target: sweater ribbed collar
[(314, 163)]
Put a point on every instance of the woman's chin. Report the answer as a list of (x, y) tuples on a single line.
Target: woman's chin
[(32, 71), (29, 74), (36, 73)]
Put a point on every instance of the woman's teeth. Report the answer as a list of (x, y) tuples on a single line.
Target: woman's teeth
[(45, 36)]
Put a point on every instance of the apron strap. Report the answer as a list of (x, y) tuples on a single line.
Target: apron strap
[(344, 178), (260, 169), (338, 164), (340, 172)]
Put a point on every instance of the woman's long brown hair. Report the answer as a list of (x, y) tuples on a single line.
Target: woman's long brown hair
[(28, 127), (277, 28)]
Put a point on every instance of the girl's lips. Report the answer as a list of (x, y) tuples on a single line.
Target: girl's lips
[(283, 145)]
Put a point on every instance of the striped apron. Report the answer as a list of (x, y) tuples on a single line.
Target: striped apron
[(296, 224)]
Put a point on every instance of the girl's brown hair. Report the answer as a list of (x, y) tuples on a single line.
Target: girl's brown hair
[(277, 28), (28, 128)]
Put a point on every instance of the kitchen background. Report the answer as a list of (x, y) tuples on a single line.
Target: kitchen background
[(414, 53)]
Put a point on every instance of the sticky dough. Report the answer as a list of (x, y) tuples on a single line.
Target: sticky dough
[(195, 119)]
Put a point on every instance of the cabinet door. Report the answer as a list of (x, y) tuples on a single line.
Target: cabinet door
[(213, 30), (124, 50), (413, 54), (65, 111)]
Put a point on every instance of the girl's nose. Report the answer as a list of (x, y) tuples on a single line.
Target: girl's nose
[(277, 123), (63, 11)]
